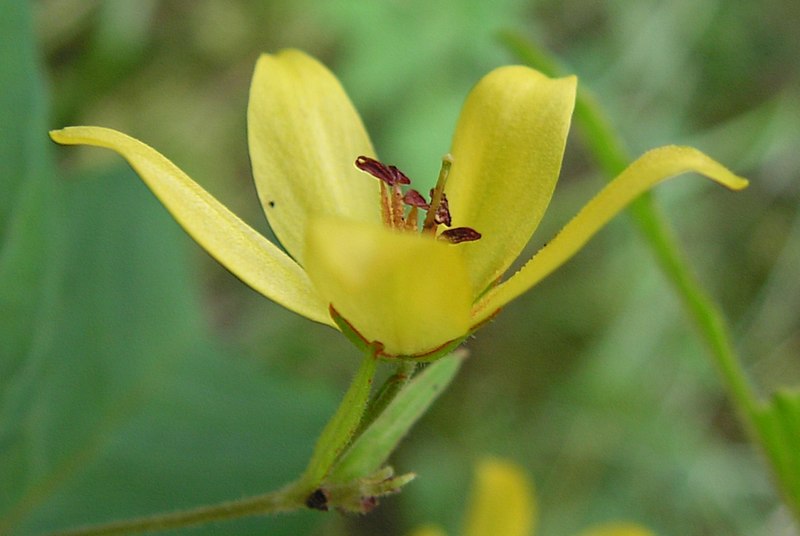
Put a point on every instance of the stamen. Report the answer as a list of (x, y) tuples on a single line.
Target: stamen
[(456, 235), (394, 202), (386, 211), (413, 198), (398, 221), (411, 220), (388, 174)]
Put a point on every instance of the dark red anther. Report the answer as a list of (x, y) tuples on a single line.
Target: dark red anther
[(413, 198), (442, 214), (388, 174), (456, 235)]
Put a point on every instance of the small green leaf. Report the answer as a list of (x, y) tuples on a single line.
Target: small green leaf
[(376, 443)]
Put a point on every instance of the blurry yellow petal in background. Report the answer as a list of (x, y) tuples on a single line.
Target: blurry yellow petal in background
[(502, 501), (617, 529)]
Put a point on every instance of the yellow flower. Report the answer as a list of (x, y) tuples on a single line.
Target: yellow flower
[(503, 503), (357, 257)]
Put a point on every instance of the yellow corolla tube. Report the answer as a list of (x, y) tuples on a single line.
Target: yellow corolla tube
[(409, 293)]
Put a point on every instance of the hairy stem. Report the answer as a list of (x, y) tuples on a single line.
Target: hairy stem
[(287, 499)]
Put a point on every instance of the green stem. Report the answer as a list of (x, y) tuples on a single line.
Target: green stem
[(290, 498), (706, 314), (613, 158), (340, 429)]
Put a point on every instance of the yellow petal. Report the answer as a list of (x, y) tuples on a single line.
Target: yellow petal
[(408, 292), (248, 255), (618, 529), (507, 152), (502, 501), (650, 169), (304, 137)]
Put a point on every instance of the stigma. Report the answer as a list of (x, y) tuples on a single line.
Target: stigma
[(400, 208)]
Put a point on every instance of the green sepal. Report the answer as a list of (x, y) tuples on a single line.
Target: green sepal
[(371, 449), (340, 429)]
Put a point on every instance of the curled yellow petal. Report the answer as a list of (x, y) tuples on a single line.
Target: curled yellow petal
[(248, 255), (304, 136), (507, 151), (408, 292), (502, 502), (650, 169)]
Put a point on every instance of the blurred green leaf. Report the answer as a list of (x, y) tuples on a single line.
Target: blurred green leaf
[(114, 401), (22, 152), (135, 410), (29, 256), (778, 423)]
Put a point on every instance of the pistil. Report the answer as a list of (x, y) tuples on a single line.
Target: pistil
[(439, 211)]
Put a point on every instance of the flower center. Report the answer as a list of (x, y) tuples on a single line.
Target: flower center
[(400, 209)]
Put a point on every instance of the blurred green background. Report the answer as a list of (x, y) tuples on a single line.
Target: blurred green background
[(137, 376)]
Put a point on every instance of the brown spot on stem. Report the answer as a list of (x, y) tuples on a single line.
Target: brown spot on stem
[(318, 500)]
